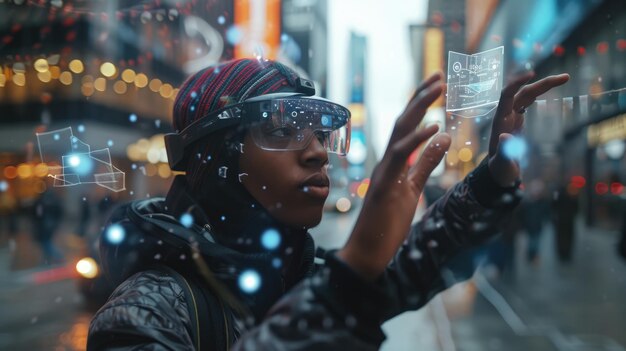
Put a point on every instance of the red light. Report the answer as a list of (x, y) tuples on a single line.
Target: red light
[(602, 47), (581, 51), (621, 44), (601, 188), (616, 188), (559, 50), (578, 181)]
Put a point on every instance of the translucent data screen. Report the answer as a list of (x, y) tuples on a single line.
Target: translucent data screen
[(474, 82)]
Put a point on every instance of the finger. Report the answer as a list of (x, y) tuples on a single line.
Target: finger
[(414, 113), (432, 156), (527, 95), (427, 83), (398, 153)]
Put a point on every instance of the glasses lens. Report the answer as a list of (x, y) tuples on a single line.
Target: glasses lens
[(291, 124)]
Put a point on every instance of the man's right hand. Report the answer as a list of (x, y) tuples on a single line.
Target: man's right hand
[(391, 201)]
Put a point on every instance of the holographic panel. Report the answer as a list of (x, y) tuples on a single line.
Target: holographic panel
[(474, 82), (71, 161)]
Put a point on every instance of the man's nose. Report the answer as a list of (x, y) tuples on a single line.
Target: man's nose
[(315, 153)]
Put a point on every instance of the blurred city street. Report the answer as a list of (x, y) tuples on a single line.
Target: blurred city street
[(104, 103), (545, 306)]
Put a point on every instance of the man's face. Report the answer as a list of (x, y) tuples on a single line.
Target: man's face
[(291, 185)]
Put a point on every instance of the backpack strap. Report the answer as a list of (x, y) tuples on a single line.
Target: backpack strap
[(210, 328)]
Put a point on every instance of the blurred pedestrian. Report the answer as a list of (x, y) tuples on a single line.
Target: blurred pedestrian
[(48, 214), (535, 210), (564, 216), (225, 261), (84, 216)]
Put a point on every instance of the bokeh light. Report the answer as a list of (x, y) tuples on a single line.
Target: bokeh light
[(115, 234), (65, 78), (186, 220), (249, 281), (87, 267), (270, 239), (108, 69), (465, 154), (141, 80), (515, 148), (128, 75), (41, 65), (76, 66), (4, 185), (19, 79)]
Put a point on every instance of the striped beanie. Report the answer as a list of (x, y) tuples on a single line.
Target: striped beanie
[(218, 86)]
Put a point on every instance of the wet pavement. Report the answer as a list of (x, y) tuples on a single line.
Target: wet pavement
[(543, 306)]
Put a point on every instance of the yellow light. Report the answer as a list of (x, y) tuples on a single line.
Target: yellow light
[(166, 90), (465, 154), (44, 76), (19, 79), (41, 65), (76, 66), (164, 171), (87, 267), (128, 75), (141, 80), (119, 87), (24, 171), (108, 69), (100, 84), (143, 145), (55, 72), (3, 80), (65, 78), (362, 189), (41, 170), (133, 153), (175, 93), (155, 84), (10, 172), (154, 154), (87, 89), (343, 204)]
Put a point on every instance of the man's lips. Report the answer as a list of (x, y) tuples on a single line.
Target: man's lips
[(316, 185)]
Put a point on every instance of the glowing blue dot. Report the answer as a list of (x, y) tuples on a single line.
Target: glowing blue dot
[(249, 281), (515, 148), (277, 262), (132, 118), (133, 166), (74, 139), (115, 234), (74, 161), (110, 143), (284, 37), (234, 35), (270, 239), (4, 185), (194, 95), (81, 128), (223, 218), (221, 20), (192, 108), (57, 137), (157, 123), (186, 220)]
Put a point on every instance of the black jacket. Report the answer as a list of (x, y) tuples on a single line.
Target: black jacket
[(329, 307)]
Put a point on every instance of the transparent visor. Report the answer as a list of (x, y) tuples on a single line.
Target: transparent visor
[(292, 123)]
